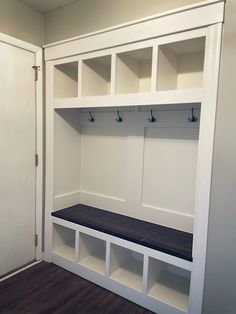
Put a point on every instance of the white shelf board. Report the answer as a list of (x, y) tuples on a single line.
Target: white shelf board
[(65, 251), (172, 289), (130, 275), (187, 96), (94, 262)]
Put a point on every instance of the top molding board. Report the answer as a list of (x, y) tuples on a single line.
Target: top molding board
[(186, 18)]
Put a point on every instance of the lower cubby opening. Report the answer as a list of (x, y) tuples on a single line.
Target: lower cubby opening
[(168, 284), (64, 241), (92, 253), (126, 266)]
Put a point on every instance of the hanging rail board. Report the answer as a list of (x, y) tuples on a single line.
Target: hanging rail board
[(167, 240)]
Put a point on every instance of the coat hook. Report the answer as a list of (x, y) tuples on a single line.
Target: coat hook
[(152, 118), (91, 119), (118, 119), (193, 118)]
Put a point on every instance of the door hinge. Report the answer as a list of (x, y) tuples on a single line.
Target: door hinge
[(36, 70), (36, 160), (36, 240)]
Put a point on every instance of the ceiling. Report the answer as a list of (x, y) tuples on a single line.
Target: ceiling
[(44, 6)]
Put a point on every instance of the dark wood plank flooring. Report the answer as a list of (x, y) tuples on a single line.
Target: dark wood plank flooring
[(46, 288)]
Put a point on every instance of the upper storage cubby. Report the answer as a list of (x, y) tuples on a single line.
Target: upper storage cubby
[(133, 71), (180, 65), (66, 80), (96, 76)]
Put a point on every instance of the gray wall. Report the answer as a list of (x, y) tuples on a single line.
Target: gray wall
[(16, 19), (20, 21), (220, 280), (85, 16)]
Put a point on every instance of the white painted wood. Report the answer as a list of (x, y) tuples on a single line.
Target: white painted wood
[(64, 242), (204, 168), (66, 80), (40, 151), (125, 164), (168, 287), (17, 157), (177, 21), (125, 268), (39, 133), (133, 71), (49, 162), (169, 174), (66, 143), (155, 64), (77, 235), (187, 96), (181, 64), (159, 15), (136, 172), (103, 152), (92, 253), (126, 244), (96, 76)]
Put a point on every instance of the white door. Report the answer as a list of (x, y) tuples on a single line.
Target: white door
[(17, 158)]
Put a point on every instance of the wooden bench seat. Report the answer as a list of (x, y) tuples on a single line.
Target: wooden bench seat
[(164, 239)]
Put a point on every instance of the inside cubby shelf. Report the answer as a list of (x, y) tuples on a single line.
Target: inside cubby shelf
[(177, 66), (126, 266), (92, 252), (64, 242), (168, 283)]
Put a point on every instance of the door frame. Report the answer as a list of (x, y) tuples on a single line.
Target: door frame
[(39, 135)]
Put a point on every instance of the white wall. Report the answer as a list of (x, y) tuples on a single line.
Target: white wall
[(20, 21), (85, 16), (220, 290)]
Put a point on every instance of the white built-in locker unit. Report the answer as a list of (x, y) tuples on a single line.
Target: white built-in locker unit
[(159, 75)]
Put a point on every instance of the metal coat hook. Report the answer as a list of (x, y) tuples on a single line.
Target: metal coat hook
[(152, 118), (118, 119), (193, 118), (91, 118)]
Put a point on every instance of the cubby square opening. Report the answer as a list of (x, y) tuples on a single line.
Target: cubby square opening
[(64, 241), (92, 253), (134, 71), (126, 266), (96, 76), (169, 284), (66, 80), (181, 65)]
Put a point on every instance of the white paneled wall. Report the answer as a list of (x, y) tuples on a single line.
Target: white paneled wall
[(137, 168)]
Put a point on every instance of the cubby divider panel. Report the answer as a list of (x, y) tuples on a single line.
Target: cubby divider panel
[(134, 71), (64, 241), (92, 252), (126, 266), (181, 65), (96, 76), (168, 283), (66, 80)]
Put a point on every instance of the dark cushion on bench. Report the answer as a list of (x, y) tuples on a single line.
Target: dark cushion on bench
[(164, 239)]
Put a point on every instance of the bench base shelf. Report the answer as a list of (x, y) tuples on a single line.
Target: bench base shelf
[(135, 272)]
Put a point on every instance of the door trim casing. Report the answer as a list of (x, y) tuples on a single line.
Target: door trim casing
[(39, 135)]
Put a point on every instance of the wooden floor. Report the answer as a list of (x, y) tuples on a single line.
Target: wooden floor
[(46, 288)]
